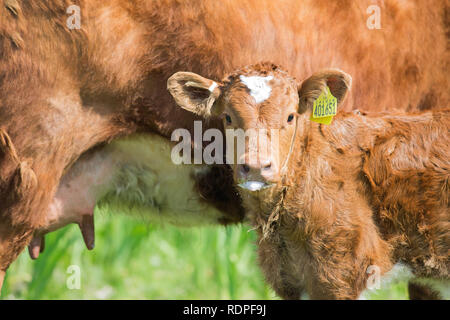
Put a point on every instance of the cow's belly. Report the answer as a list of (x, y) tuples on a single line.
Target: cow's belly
[(133, 175)]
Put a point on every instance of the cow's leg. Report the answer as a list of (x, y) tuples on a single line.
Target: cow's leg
[(17, 183), (11, 245), (17, 187), (28, 189), (27, 213), (2, 277)]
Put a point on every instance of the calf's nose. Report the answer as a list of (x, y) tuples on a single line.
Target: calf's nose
[(264, 170)]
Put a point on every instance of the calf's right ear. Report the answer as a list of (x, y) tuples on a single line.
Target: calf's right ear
[(194, 93)]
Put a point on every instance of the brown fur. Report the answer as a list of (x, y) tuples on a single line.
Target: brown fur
[(63, 91), (365, 190), (338, 219), (422, 292)]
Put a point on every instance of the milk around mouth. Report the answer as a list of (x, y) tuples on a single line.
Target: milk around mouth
[(254, 185)]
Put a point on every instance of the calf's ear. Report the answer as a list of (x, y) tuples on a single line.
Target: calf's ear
[(338, 81), (194, 93)]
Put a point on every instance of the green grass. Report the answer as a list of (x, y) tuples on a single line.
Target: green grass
[(136, 260)]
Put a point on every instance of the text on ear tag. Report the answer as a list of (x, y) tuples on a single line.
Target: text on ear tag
[(324, 108)]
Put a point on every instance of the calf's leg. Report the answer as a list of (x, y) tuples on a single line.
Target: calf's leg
[(421, 292), (276, 265)]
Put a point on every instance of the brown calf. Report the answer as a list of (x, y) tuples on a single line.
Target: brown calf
[(339, 200)]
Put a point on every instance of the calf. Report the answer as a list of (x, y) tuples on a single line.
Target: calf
[(332, 203)]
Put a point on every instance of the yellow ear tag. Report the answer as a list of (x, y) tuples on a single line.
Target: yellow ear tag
[(324, 108)]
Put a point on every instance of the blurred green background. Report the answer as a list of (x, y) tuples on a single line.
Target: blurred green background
[(134, 259)]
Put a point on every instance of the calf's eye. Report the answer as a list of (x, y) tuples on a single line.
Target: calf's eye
[(290, 118), (228, 119)]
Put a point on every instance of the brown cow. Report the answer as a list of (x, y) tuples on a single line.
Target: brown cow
[(336, 202), (66, 93)]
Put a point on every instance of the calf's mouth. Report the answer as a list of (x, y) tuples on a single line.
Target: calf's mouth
[(254, 186)]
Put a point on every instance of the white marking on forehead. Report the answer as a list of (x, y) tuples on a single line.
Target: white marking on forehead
[(259, 89), (213, 86)]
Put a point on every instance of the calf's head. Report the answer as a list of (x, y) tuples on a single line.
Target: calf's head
[(261, 107)]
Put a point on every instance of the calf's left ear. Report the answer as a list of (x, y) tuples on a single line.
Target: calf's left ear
[(338, 81), (194, 93)]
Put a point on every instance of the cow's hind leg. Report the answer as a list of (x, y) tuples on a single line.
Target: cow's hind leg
[(2, 277), (17, 187)]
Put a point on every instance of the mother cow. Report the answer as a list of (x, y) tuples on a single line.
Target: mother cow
[(65, 93)]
